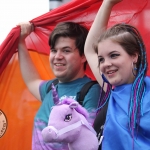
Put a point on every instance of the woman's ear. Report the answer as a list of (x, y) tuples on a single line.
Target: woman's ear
[(135, 58)]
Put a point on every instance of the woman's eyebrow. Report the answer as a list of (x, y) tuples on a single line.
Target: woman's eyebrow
[(113, 52), (99, 56)]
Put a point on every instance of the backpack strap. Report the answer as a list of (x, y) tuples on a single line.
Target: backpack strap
[(84, 90), (99, 123), (55, 82), (100, 118), (81, 94)]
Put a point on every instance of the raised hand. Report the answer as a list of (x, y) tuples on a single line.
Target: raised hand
[(113, 1), (26, 29)]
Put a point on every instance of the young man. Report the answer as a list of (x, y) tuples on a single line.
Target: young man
[(68, 62)]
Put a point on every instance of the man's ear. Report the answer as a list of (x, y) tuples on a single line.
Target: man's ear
[(83, 58)]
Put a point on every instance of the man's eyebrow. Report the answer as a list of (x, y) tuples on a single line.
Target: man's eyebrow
[(61, 48), (66, 47)]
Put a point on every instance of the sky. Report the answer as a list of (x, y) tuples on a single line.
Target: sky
[(13, 12)]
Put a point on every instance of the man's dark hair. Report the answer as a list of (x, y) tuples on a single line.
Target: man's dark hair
[(71, 30)]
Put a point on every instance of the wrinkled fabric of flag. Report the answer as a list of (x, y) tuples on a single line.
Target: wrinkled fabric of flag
[(18, 105)]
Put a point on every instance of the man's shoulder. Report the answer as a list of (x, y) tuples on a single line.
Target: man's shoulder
[(84, 79), (91, 81), (89, 85), (44, 86), (49, 82)]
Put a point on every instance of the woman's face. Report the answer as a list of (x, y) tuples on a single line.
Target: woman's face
[(115, 63)]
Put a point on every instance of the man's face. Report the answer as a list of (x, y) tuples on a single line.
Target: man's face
[(65, 60)]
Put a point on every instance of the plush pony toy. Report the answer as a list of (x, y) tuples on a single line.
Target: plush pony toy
[(68, 123)]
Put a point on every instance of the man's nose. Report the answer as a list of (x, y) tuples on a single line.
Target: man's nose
[(58, 55)]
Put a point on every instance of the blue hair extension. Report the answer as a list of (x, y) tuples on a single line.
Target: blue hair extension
[(142, 103), (138, 87), (105, 99)]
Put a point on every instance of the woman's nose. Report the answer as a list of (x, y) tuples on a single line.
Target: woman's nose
[(107, 63)]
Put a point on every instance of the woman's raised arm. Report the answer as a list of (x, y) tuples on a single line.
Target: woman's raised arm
[(98, 26)]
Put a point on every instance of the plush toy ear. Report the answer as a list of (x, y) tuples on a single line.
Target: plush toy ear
[(73, 105)]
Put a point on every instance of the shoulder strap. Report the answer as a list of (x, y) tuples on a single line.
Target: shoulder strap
[(99, 123), (55, 82), (100, 118), (81, 94), (84, 91)]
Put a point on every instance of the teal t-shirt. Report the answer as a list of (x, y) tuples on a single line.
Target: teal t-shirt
[(69, 89)]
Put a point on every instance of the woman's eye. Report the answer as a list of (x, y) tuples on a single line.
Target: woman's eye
[(100, 60), (68, 118), (114, 55)]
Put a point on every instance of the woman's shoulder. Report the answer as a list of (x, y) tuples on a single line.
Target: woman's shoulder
[(147, 83), (146, 102)]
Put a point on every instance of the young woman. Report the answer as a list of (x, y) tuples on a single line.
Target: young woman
[(120, 60)]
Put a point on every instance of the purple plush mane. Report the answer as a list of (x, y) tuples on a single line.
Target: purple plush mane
[(68, 124)]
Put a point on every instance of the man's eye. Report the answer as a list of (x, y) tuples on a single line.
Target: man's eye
[(53, 50), (66, 50)]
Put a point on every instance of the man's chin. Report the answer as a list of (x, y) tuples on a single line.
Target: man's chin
[(59, 76)]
